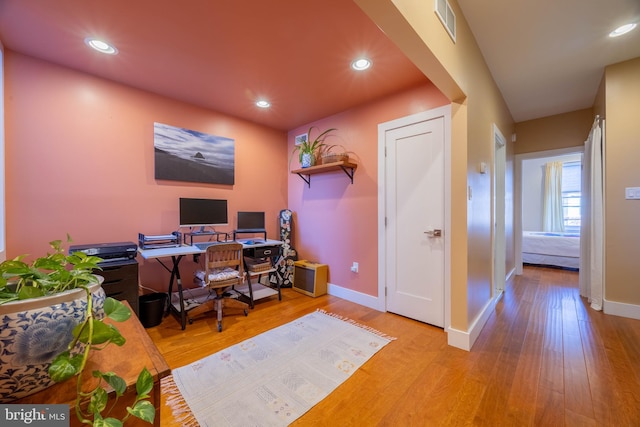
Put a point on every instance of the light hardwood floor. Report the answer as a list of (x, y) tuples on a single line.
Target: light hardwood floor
[(544, 358)]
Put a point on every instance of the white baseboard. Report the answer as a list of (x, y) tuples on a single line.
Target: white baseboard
[(465, 339), (458, 339), (455, 338), (354, 296), (622, 309)]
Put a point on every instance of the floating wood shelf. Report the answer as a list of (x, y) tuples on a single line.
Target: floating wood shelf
[(346, 166)]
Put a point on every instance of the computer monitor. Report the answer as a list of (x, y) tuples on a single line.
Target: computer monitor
[(251, 221), (203, 212)]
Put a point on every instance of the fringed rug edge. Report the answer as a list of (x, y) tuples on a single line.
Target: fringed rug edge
[(174, 400), (358, 324)]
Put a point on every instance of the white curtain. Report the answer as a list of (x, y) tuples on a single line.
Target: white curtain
[(553, 218), (592, 220)]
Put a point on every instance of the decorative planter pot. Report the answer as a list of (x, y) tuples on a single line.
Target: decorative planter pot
[(308, 159), (33, 332)]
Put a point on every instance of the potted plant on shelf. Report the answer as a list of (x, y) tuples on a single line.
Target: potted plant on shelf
[(309, 150), (52, 311)]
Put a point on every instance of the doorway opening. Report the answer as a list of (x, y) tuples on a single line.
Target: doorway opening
[(548, 184)]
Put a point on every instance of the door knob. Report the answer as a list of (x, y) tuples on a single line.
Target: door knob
[(434, 233)]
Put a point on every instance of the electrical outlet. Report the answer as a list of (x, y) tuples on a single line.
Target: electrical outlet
[(355, 267), (632, 193)]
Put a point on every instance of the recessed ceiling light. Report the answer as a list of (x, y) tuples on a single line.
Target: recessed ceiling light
[(263, 104), (361, 64), (100, 46), (622, 30)]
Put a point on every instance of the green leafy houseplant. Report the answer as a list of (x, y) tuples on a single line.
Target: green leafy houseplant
[(56, 273), (311, 147)]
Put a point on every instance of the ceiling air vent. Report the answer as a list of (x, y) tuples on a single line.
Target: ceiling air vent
[(447, 17)]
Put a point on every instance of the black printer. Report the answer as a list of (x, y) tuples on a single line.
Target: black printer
[(109, 252), (119, 269)]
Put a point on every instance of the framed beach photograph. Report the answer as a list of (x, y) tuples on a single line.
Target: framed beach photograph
[(188, 155)]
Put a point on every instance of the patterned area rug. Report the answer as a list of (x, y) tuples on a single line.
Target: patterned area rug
[(275, 377)]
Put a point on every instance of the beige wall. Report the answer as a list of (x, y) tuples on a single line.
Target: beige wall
[(554, 132), (622, 152), (459, 71)]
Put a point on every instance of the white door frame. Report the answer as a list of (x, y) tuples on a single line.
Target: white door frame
[(499, 229), (445, 113)]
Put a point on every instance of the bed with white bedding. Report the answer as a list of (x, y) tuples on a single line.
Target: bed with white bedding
[(551, 248)]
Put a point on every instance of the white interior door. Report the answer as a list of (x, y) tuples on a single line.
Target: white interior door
[(415, 220)]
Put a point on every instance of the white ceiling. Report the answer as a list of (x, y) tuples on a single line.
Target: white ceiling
[(547, 57)]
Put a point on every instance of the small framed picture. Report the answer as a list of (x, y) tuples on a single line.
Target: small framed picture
[(301, 138)]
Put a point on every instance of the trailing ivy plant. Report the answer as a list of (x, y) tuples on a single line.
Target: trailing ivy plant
[(57, 273)]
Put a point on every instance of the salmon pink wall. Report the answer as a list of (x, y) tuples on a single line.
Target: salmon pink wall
[(3, 252), (336, 222), (80, 160)]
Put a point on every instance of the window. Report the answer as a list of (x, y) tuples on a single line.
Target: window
[(571, 186)]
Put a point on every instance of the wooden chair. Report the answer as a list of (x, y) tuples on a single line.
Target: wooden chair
[(224, 269)]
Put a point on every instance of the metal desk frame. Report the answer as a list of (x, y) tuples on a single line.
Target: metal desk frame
[(177, 253)]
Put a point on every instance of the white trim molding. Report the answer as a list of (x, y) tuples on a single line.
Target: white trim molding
[(622, 309), (465, 339), (354, 296)]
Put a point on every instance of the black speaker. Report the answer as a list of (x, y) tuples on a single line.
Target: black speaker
[(310, 278)]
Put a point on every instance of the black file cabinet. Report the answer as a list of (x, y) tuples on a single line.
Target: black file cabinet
[(121, 281)]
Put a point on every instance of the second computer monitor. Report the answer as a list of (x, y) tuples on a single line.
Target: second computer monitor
[(251, 222)]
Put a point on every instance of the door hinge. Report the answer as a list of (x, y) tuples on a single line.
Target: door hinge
[(385, 291)]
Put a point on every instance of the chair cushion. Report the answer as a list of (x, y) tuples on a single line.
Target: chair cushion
[(221, 274)]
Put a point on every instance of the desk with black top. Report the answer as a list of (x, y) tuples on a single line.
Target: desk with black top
[(255, 248)]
